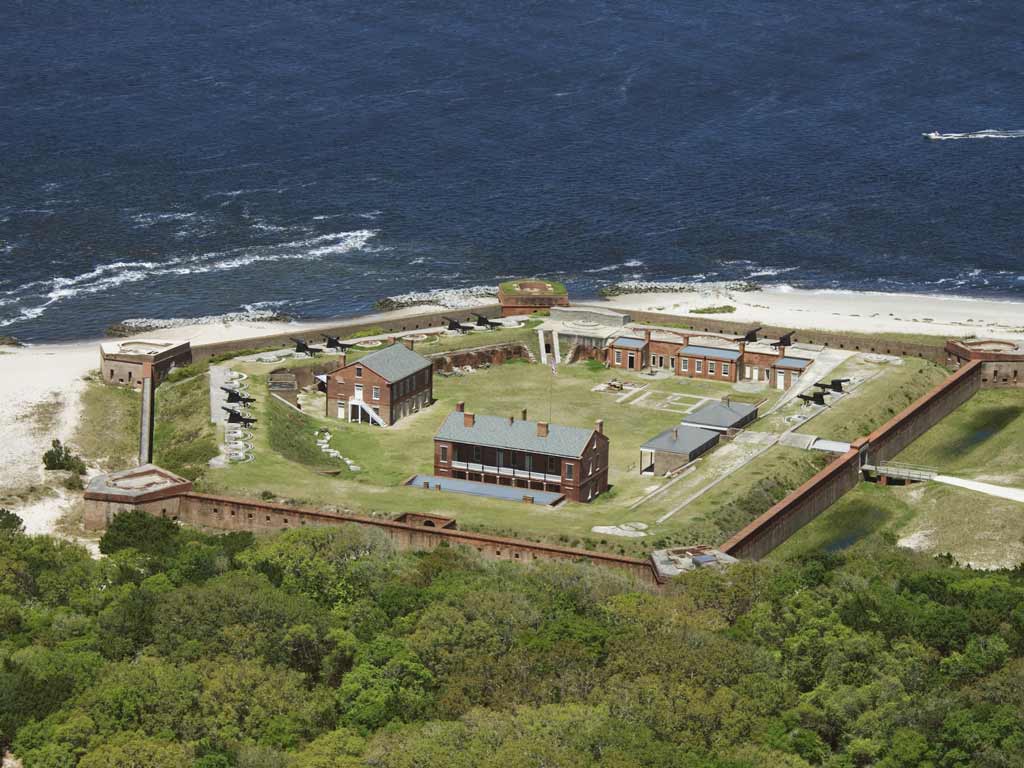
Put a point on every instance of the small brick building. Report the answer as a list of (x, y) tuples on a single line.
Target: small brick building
[(127, 363), (381, 387), (523, 297), (520, 453)]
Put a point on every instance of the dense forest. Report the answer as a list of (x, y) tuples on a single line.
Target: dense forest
[(324, 648)]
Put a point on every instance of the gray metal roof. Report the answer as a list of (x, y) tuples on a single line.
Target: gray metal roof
[(628, 342), (792, 362), (686, 440), (394, 362), (503, 492), (721, 415), (720, 354), (518, 435)]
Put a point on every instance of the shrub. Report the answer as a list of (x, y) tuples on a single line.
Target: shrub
[(10, 522), (61, 457)]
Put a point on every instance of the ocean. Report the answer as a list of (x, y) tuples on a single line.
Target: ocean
[(167, 160)]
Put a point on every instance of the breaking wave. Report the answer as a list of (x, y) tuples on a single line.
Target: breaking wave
[(108, 276), (989, 133)]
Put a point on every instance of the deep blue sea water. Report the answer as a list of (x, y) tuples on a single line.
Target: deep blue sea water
[(192, 158)]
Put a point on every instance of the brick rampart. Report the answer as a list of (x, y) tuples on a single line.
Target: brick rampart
[(225, 513), (796, 510), (390, 322), (924, 413), (819, 493)]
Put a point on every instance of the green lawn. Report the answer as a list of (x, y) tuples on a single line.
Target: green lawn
[(184, 439), (107, 435), (388, 457), (981, 440), (891, 388)]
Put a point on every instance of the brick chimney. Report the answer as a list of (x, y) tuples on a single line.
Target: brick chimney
[(524, 414), (647, 335), (391, 340), (460, 407), (468, 419), (743, 347), (542, 429), (408, 342), (599, 426), (342, 360)]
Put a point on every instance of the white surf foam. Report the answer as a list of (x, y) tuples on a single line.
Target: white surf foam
[(108, 276), (988, 133)]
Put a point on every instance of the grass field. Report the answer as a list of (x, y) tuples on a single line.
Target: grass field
[(981, 440), (891, 388), (184, 439), (749, 475), (107, 435), (388, 457)]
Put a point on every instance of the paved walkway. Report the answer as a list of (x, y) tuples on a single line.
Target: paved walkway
[(1001, 491)]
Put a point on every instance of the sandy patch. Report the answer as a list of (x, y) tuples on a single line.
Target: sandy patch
[(860, 312)]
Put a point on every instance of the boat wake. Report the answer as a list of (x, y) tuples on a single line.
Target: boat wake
[(989, 133)]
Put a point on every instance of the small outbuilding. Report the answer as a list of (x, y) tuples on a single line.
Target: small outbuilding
[(674, 448), (722, 416)]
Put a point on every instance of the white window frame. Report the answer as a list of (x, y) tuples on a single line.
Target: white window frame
[(698, 366), (444, 454), (684, 364), (568, 467), (359, 371), (376, 393), (712, 365), (725, 369), (618, 357)]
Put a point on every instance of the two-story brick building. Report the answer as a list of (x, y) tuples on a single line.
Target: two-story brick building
[(521, 453), (381, 387)]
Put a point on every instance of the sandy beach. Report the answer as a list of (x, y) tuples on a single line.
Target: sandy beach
[(51, 375), (858, 312)]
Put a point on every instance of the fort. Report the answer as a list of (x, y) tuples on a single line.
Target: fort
[(477, 454)]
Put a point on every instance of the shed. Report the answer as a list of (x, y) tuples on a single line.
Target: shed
[(675, 447), (722, 416)]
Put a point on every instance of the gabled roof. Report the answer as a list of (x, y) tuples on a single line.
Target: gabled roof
[(518, 435), (394, 362), (792, 362), (720, 415), (628, 342), (713, 352), (682, 439)]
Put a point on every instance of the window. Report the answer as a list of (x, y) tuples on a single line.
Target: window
[(618, 357), (376, 393), (528, 462), (500, 458), (684, 364), (590, 468), (359, 372), (444, 454), (476, 453), (698, 366), (725, 369), (568, 470), (711, 367)]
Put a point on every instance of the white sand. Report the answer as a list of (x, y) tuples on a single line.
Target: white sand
[(843, 310)]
